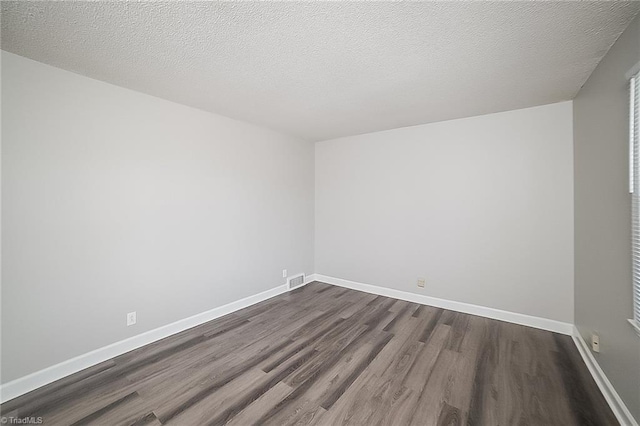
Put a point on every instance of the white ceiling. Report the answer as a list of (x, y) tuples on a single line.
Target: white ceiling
[(324, 70)]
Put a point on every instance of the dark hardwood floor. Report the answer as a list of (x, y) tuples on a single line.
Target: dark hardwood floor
[(331, 356)]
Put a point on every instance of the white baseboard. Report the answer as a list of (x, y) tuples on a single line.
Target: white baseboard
[(48, 375), (309, 279), (618, 407), (522, 319)]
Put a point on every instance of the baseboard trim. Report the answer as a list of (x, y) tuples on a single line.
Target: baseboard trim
[(48, 375), (618, 406), (467, 308), (310, 278)]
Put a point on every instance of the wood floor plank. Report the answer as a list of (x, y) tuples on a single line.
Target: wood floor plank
[(221, 351), (207, 408), (87, 403), (439, 383), (264, 385), (192, 395), (450, 416), (422, 366), (300, 345), (396, 406), (302, 381), (128, 410), (580, 387), (340, 383), (430, 325), (325, 355), (51, 393), (398, 318), (458, 332), (351, 408), (544, 380), (261, 405)]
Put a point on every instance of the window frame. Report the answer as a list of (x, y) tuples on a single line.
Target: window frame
[(634, 190)]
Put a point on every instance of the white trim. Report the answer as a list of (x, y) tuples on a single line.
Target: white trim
[(632, 72), (635, 325), (522, 319), (48, 375), (618, 407)]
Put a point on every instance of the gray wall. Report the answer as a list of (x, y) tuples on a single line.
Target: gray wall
[(115, 201), (482, 207), (603, 217)]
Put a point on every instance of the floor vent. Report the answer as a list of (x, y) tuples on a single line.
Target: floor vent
[(296, 281)]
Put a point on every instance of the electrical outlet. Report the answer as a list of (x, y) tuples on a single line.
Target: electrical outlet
[(131, 318), (595, 343), (284, 273), (422, 282)]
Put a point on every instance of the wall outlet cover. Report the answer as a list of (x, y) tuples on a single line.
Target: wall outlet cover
[(422, 282), (131, 318), (595, 343)]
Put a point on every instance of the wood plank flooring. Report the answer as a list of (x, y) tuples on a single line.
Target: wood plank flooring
[(325, 355)]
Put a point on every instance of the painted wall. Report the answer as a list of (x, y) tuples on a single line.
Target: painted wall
[(603, 287), (481, 207), (115, 201)]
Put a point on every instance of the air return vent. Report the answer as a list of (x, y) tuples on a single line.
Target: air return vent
[(296, 281)]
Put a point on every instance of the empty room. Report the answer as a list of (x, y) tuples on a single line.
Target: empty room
[(320, 213)]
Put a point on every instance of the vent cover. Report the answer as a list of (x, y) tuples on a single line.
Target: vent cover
[(296, 281)]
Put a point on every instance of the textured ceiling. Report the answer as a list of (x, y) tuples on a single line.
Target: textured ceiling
[(324, 70)]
